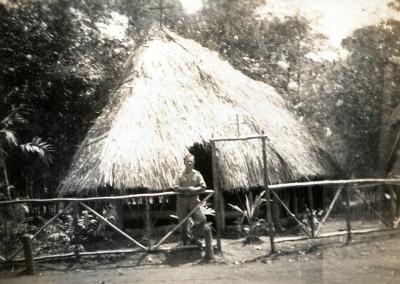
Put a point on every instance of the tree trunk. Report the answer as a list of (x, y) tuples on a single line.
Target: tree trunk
[(386, 135), (6, 180)]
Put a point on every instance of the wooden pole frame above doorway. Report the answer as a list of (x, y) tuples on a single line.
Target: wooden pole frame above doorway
[(218, 196)]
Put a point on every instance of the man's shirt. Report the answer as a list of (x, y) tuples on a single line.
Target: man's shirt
[(193, 178)]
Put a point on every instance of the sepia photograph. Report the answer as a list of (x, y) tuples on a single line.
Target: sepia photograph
[(199, 141)]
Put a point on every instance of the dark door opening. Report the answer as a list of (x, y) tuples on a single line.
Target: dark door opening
[(202, 155)]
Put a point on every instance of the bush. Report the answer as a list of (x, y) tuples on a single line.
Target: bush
[(249, 224)]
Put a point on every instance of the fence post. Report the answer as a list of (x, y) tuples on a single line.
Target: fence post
[(148, 227), (29, 262), (348, 217), (209, 245), (216, 195), (268, 196), (311, 205), (76, 229), (6, 235), (221, 208), (393, 204)]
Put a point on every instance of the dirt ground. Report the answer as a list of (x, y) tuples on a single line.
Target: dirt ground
[(372, 258)]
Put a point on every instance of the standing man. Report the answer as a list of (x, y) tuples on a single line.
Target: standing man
[(190, 183)]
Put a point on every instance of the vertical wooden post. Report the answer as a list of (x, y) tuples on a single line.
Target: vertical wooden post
[(296, 203), (209, 245), (29, 262), (393, 204), (76, 230), (222, 209), (8, 187), (216, 195), (6, 237), (148, 227), (348, 217), (268, 196), (120, 216), (311, 205)]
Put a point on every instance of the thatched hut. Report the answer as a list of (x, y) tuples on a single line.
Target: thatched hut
[(177, 94)]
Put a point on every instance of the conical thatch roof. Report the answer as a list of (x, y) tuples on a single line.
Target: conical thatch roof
[(177, 93)]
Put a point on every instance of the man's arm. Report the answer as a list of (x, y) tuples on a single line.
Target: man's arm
[(201, 185), (181, 189), (190, 190)]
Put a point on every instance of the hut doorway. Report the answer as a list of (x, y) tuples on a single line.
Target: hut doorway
[(202, 155)]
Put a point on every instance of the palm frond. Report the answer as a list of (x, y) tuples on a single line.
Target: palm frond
[(250, 224), (259, 200), (7, 121), (237, 208), (243, 213), (9, 137), (16, 116), (39, 147), (249, 204)]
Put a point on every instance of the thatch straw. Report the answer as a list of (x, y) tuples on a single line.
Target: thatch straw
[(177, 93)]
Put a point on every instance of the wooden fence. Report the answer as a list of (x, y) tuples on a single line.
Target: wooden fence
[(345, 188), (75, 204)]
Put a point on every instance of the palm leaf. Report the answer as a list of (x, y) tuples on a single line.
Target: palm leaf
[(18, 118), (242, 213), (9, 137), (237, 208), (249, 214), (248, 205), (39, 147), (7, 121), (259, 200), (15, 117)]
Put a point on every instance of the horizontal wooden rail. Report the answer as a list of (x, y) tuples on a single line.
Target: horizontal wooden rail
[(334, 234), (334, 182), (45, 257), (102, 252), (106, 198), (171, 193)]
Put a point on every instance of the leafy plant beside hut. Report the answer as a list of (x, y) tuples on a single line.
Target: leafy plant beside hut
[(249, 224), (36, 148), (58, 237)]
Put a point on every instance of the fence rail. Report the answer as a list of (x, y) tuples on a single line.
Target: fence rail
[(344, 188), (372, 181), (77, 203), (87, 199)]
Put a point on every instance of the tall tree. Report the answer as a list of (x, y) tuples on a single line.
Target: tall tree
[(373, 52), (56, 61)]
